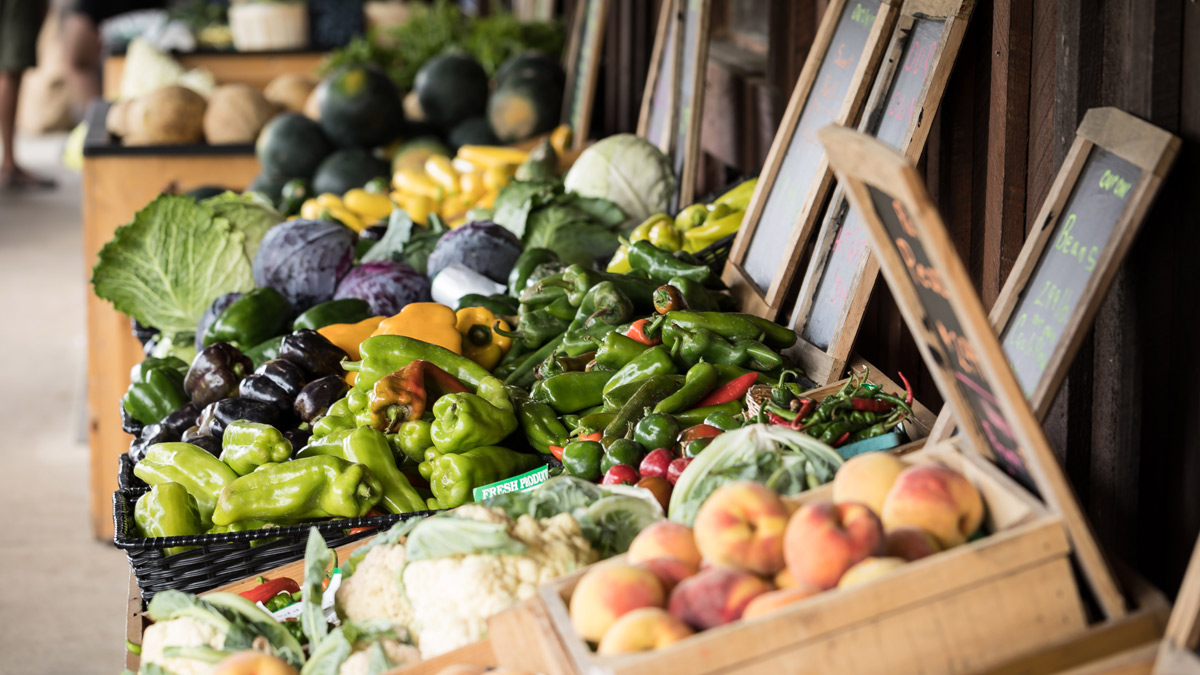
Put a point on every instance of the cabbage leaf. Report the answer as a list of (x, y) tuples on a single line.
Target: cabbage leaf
[(168, 265), (246, 214)]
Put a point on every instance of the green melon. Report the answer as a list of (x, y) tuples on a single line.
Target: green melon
[(531, 65), (268, 184), (451, 88), (475, 131), (291, 145), (523, 108), (360, 106), (414, 153), (347, 169)]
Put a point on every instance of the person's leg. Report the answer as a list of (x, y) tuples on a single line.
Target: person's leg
[(20, 21), (81, 39), (10, 86)]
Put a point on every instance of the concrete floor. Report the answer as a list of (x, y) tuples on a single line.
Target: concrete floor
[(62, 600)]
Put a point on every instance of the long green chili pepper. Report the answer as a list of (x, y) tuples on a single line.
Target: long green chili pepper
[(523, 375)]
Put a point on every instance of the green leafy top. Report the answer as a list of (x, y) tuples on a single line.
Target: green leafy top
[(578, 228), (167, 266), (246, 214)]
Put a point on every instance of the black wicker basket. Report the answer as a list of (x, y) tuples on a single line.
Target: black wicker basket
[(715, 254), (219, 559)]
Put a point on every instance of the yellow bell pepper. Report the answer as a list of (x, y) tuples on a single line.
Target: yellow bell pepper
[(620, 262), (489, 156), (368, 206), (426, 321), (480, 342), (348, 336)]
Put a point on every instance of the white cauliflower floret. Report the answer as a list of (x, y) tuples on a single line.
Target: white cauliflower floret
[(181, 632), (374, 591), (399, 653), (453, 597)]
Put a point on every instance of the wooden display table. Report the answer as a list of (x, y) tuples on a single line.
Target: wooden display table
[(117, 182), (253, 68)]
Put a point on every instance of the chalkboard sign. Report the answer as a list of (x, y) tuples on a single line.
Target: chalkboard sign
[(796, 180), (693, 60), (658, 100), (587, 43), (841, 273), (1080, 237), (939, 304)]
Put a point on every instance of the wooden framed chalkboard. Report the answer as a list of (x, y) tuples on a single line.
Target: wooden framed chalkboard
[(584, 52), (906, 94), (689, 96), (952, 332), (1079, 239), (657, 116), (1177, 653), (796, 180)]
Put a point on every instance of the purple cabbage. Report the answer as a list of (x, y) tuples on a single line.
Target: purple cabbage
[(384, 284), (483, 247), (304, 260)]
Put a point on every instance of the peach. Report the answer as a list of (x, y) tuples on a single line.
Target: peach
[(866, 479), (253, 663), (774, 600), (785, 579), (936, 499), (910, 543), (824, 539), (607, 592), (643, 630), (869, 569), (461, 669), (741, 525), (665, 539), (670, 571), (715, 596)]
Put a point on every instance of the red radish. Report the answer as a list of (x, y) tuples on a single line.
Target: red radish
[(620, 474), (677, 466), (655, 463)]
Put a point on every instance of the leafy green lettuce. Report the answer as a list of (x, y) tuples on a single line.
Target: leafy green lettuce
[(579, 229), (168, 265), (246, 214)]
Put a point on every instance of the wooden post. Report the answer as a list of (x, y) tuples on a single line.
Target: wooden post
[(583, 67)]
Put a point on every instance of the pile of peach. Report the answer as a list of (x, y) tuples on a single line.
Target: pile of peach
[(749, 555)]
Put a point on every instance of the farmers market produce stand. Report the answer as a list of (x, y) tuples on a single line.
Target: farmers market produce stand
[(117, 182), (1079, 239), (228, 67), (796, 180)]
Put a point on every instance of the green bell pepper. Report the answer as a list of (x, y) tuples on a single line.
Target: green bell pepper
[(155, 390), (453, 476), (201, 474), (383, 355), (541, 426), (583, 459), (654, 361), (414, 438), (371, 448), (167, 510), (622, 451), (265, 350), (464, 421), (329, 444), (656, 430), (248, 445), (331, 423), (261, 314), (346, 310), (302, 489), (500, 305), (574, 391)]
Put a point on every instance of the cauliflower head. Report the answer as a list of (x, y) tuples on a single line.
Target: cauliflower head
[(399, 653), (374, 591), (452, 597), (182, 632)]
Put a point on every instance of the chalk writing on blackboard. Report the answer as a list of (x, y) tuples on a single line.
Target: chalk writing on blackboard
[(950, 347), (1085, 229), (889, 123), (797, 174)]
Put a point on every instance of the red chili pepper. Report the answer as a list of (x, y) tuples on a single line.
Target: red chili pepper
[(270, 588), (806, 408), (637, 331), (908, 392), (871, 405), (370, 514), (699, 431), (841, 439), (778, 421), (594, 436), (730, 391), (556, 450)]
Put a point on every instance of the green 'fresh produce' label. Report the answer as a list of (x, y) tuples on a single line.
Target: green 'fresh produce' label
[(523, 483)]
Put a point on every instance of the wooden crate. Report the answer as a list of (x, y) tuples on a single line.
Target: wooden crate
[(117, 182), (253, 68), (958, 611)]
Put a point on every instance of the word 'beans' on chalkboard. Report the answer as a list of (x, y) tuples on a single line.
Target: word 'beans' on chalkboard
[(798, 171), (1068, 262), (889, 120), (951, 349)]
